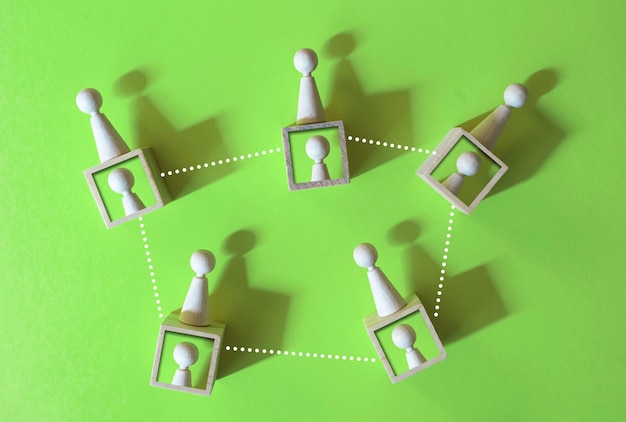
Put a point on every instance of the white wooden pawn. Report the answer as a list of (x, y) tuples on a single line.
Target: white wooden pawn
[(488, 131), (386, 297), (185, 355), (195, 309), (310, 108), (467, 164), (403, 336), (121, 181), (109, 143), (317, 148)]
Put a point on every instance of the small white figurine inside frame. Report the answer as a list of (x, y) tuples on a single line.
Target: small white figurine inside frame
[(316, 155)]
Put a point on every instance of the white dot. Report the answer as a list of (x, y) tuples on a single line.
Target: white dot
[(271, 351), (158, 302), (449, 228), (377, 142), (448, 236), (235, 348), (441, 278), (271, 151), (364, 140), (308, 355), (228, 160), (242, 157), (453, 207), (227, 347), (184, 169), (447, 243), (337, 357), (412, 148), (263, 152), (242, 349), (438, 299), (169, 173), (443, 271), (293, 353), (322, 355), (314, 355), (373, 360), (264, 351), (220, 162), (154, 288), (436, 314), (146, 246), (149, 259), (256, 154), (427, 152), (406, 148), (384, 144), (162, 174), (356, 139), (343, 357), (438, 292), (249, 155), (159, 308), (358, 358), (235, 158), (249, 349), (278, 352), (392, 145), (160, 315), (206, 165), (176, 171), (191, 168), (440, 286), (365, 359), (213, 163), (329, 356), (371, 142), (436, 306), (256, 350), (147, 252), (399, 146), (156, 295), (351, 357), (277, 149), (445, 250), (443, 264), (419, 150), (349, 138), (300, 354)]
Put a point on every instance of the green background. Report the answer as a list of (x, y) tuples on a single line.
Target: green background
[(532, 305)]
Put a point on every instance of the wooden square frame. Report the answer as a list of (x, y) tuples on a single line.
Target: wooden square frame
[(374, 323), (214, 331), (439, 154), (152, 172), (344, 155)]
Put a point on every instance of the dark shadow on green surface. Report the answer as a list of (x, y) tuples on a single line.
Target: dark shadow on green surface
[(254, 318), (530, 137), (384, 116), (470, 302), (175, 148), (421, 272)]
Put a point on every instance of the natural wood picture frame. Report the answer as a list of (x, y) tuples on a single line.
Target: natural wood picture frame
[(152, 173), (214, 331), (345, 179), (373, 323), (439, 154)]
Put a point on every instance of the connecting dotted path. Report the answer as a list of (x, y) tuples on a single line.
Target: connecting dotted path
[(327, 356), (263, 153)]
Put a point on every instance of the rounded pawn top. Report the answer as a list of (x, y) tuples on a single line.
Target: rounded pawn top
[(185, 354), (365, 255), (89, 101), (305, 61), (121, 180), (515, 95), (317, 148), (468, 163), (202, 262), (403, 336)]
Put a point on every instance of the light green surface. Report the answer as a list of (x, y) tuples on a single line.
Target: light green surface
[(532, 305)]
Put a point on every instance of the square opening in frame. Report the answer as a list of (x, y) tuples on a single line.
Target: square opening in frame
[(316, 155), (462, 170)]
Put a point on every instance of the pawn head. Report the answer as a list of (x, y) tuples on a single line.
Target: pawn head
[(317, 148), (468, 163), (365, 255), (121, 180), (202, 262), (403, 336), (185, 354), (305, 61), (515, 95), (89, 101)]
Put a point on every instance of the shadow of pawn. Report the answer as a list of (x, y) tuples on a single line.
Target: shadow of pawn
[(255, 318)]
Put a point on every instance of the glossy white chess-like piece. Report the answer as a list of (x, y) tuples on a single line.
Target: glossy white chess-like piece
[(109, 143), (317, 148), (310, 108), (185, 355), (386, 297), (488, 131), (121, 181), (403, 336), (467, 164), (195, 309)]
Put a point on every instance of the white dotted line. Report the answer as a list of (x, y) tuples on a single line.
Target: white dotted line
[(328, 356), (390, 145), (150, 267), (218, 162), (446, 249)]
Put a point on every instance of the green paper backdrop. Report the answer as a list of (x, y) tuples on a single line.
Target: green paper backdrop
[(531, 301)]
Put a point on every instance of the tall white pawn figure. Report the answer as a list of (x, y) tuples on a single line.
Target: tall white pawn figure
[(108, 142), (403, 336), (121, 180), (488, 131), (317, 148), (467, 164), (386, 297), (310, 108), (185, 355), (195, 309)]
